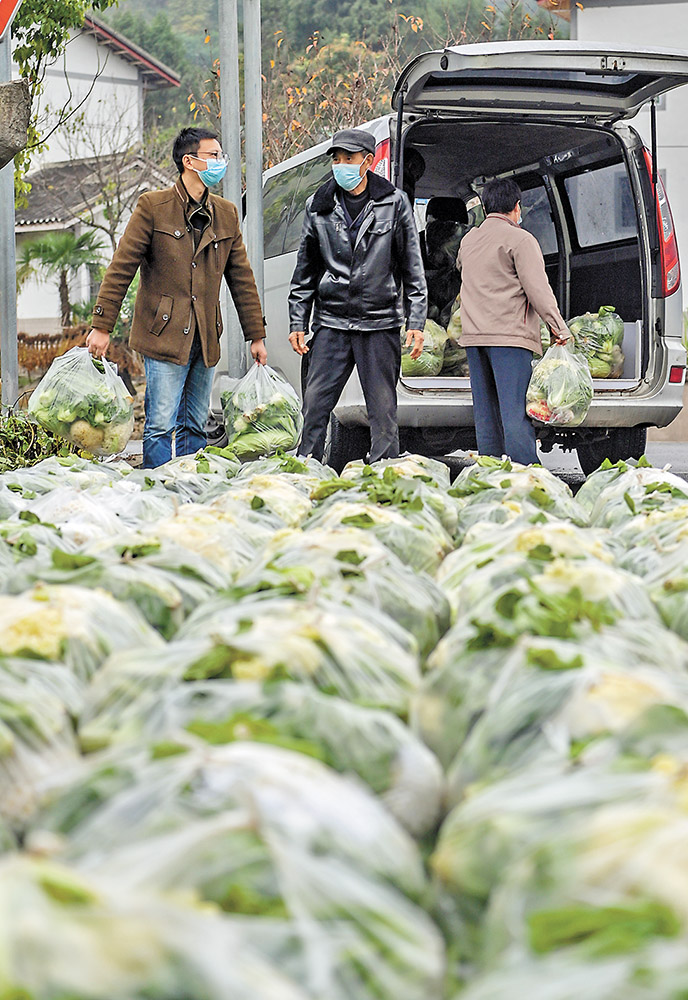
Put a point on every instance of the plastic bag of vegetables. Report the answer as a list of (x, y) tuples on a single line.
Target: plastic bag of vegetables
[(352, 739), (560, 389), (264, 832), (97, 941), (355, 652), (599, 337), (84, 400), (432, 356), (262, 414)]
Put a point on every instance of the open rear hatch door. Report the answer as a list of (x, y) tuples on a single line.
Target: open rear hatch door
[(572, 81)]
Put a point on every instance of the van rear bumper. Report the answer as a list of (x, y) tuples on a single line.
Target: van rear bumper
[(635, 405)]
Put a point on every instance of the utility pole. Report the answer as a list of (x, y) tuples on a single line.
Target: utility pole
[(8, 259), (253, 125), (234, 347)]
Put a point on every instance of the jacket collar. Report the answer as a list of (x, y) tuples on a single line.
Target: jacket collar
[(324, 198), (208, 234), (504, 218)]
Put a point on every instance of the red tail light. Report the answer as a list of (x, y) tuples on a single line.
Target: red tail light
[(676, 374), (381, 161), (668, 247)]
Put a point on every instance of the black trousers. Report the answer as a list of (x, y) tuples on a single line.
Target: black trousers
[(331, 360)]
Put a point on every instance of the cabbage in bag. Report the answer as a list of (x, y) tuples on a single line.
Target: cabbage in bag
[(560, 390), (84, 400), (262, 414), (599, 337), (432, 356)]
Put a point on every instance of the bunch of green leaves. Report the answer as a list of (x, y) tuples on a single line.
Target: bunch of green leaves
[(23, 443)]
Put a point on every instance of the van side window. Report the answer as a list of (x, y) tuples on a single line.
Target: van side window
[(278, 193), (602, 205), (537, 218), (315, 173)]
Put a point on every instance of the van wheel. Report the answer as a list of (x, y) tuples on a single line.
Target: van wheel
[(345, 443), (622, 443)]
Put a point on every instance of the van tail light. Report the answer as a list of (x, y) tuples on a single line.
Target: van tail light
[(676, 374), (668, 247), (381, 161)]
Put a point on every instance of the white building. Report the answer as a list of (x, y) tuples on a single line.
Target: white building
[(650, 24), (102, 77)]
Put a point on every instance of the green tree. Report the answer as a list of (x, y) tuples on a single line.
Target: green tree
[(59, 256), (41, 31)]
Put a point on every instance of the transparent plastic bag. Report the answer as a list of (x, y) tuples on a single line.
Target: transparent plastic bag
[(550, 699), (163, 597), (348, 561), (560, 389), (98, 942), (287, 848), (529, 547), (73, 625), (658, 970), (501, 481), (262, 414), (599, 338), (84, 400), (636, 490), (355, 652), (272, 494), (431, 357), (352, 739), (416, 536)]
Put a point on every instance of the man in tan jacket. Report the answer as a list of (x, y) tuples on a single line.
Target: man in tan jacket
[(504, 292), (184, 240)]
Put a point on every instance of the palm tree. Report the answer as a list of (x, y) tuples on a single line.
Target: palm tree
[(59, 256)]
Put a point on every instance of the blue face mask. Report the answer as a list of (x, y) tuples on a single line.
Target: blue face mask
[(348, 175), (213, 173)]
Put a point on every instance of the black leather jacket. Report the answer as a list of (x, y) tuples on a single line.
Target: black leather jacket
[(377, 284)]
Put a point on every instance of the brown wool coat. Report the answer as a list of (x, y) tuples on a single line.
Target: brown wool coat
[(179, 289)]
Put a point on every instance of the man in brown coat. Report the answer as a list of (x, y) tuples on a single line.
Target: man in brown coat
[(184, 240), (504, 291)]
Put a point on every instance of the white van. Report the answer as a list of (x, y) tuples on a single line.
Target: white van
[(555, 117)]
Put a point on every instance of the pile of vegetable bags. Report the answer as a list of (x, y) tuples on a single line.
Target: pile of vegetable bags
[(269, 732), (560, 389), (262, 414), (599, 338), (85, 401)]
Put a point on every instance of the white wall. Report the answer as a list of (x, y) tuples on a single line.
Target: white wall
[(112, 94), (654, 25), (112, 91)]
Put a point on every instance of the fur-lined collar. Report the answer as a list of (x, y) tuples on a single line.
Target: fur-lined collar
[(324, 198)]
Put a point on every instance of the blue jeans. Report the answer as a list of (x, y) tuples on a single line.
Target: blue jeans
[(499, 380), (177, 399)]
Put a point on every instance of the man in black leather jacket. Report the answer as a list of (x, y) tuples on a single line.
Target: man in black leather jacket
[(359, 272)]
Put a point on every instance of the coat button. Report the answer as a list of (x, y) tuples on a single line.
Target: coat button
[(193, 298), (194, 264), (188, 229), (165, 317), (177, 233), (215, 245), (186, 329)]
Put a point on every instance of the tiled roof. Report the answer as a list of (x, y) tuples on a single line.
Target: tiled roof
[(155, 73)]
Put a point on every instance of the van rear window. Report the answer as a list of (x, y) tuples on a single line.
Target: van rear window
[(602, 205), (537, 218)]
